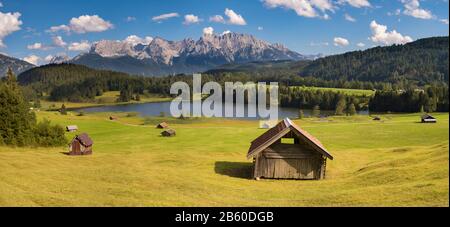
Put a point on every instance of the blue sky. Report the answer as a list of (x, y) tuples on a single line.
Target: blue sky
[(305, 26)]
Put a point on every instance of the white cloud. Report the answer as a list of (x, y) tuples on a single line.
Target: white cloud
[(444, 21), (58, 41), (84, 24), (412, 8), (165, 17), (82, 46), (134, 40), (217, 19), (314, 44), (305, 8), (9, 23), (381, 35), (361, 45), (339, 41), (191, 19), (349, 18), (226, 32), (208, 31), (234, 18), (260, 28), (130, 19), (32, 59), (38, 46), (356, 3)]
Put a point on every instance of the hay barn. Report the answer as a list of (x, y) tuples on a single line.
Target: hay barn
[(71, 128), (81, 145), (169, 133), (162, 125), (113, 118), (427, 118), (288, 152)]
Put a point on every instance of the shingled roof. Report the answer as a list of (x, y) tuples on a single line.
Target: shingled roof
[(85, 140), (277, 132)]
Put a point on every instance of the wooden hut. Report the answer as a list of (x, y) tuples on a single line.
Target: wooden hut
[(81, 145), (71, 128), (169, 133), (112, 118), (377, 118), (427, 118), (288, 152), (162, 125)]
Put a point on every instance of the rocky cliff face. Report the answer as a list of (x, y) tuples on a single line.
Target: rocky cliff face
[(15, 64), (162, 57)]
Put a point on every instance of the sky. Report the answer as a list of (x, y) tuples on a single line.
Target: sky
[(38, 30)]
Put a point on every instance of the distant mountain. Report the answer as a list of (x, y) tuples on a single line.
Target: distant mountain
[(163, 57), (15, 64), (58, 59)]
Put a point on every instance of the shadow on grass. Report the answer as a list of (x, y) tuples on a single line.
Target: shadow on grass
[(241, 170)]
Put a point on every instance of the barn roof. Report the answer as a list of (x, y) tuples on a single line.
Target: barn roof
[(71, 127), (427, 116), (277, 132), (84, 139)]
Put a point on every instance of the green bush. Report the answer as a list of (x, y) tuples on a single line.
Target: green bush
[(48, 135)]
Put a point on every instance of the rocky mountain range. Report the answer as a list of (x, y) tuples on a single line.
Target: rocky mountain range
[(162, 57), (16, 65)]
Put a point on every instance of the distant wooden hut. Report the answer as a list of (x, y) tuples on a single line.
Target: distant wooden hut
[(71, 128), (376, 118), (162, 125), (288, 152), (81, 145), (427, 118), (169, 133), (112, 118)]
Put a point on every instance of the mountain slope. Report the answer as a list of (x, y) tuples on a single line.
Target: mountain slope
[(162, 57), (15, 64)]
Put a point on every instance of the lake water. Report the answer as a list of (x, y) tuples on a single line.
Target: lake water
[(155, 109)]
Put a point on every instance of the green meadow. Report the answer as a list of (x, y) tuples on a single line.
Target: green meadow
[(346, 91), (393, 162)]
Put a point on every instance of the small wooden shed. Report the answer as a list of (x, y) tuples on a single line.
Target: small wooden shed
[(169, 133), (288, 152), (81, 145), (71, 128), (162, 125), (113, 118), (377, 118), (427, 118)]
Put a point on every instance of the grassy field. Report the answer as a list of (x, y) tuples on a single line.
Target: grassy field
[(355, 92), (394, 162)]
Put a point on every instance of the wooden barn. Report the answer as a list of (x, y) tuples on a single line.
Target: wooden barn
[(427, 118), (113, 118), (71, 128), (288, 152), (376, 118), (162, 125), (169, 133), (81, 145)]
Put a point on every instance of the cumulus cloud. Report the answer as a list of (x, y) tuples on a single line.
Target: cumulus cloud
[(9, 23), (217, 19), (165, 17), (58, 41), (38, 46), (84, 24), (339, 41), (208, 31), (360, 44), (349, 18), (135, 40), (234, 18), (48, 58), (32, 59), (82, 46), (130, 19), (356, 3), (191, 19), (412, 8), (305, 8), (444, 21), (381, 35)]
